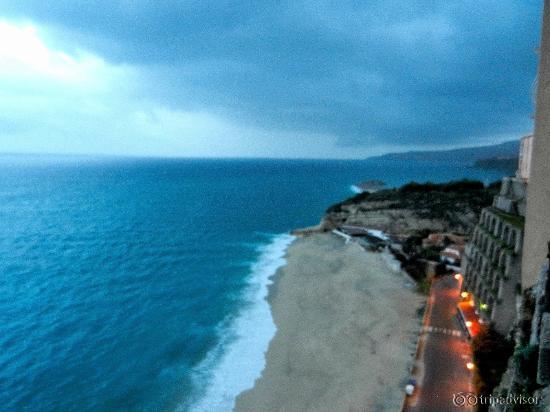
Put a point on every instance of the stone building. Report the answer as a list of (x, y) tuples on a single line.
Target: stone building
[(492, 259), (525, 156), (537, 229)]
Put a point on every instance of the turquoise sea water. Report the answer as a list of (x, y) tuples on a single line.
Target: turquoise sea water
[(139, 284)]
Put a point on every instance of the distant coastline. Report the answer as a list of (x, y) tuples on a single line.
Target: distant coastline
[(464, 155), (506, 164)]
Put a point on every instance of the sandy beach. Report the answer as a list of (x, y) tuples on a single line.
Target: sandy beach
[(346, 332)]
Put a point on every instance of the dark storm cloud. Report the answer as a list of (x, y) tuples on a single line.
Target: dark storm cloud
[(404, 72)]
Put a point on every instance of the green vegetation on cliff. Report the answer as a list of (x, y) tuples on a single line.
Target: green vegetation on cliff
[(491, 354)]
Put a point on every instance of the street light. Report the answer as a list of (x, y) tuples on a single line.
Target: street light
[(469, 366)]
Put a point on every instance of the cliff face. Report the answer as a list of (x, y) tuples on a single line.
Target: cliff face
[(449, 207), (528, 371)]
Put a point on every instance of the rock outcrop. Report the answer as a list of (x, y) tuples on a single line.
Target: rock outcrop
[(449, 207)]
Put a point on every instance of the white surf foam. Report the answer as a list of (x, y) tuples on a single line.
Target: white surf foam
[(356, 189), (239, 359), (379, 234)]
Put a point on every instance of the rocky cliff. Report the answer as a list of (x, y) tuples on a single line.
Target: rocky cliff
[(448, 207)]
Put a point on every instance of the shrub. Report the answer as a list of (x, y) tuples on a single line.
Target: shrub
[(440, 269), (454, 186), (419, 187), (491, 354), (430, 253), (463, 185), (424, 286), (495, 185)]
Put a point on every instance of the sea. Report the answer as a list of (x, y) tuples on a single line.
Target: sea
[(140, 284)]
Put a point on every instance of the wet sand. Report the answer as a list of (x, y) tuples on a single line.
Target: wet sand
[(346, 332)]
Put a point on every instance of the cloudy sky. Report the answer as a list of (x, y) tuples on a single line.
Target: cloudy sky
[(223, 78)]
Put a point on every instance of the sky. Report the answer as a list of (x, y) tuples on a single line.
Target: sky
[(295, 79)]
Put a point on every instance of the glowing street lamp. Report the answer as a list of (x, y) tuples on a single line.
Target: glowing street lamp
[(469, 366)]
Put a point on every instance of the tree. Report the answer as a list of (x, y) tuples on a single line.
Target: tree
[(491, 354)]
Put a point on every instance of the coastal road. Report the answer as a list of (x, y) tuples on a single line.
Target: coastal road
[(443, 351)]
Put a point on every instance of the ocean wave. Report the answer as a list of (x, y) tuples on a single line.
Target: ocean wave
[(239, 358), (356, 189)]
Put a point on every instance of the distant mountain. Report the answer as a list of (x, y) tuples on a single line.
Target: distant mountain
[(467, 155), (508, 165)]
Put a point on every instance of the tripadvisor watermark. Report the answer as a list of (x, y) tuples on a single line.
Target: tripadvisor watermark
[(471, 399)]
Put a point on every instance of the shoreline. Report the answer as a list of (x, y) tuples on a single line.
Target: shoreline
[(341, 315), (247, 336)]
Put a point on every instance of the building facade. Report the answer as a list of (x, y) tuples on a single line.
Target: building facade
[(525, 156), (537, 229), (492, 259)]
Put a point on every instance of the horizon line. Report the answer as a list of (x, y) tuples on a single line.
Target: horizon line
[(153, 156)]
